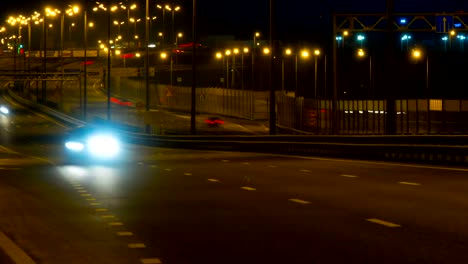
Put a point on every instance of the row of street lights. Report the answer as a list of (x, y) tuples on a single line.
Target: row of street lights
[(304, 54)]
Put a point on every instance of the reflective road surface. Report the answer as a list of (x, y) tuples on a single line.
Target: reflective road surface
[(185, 206)]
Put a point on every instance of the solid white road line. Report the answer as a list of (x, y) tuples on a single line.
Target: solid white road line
[(382, 222)]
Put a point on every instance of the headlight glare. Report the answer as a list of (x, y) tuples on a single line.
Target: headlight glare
[(104, 146), (4, 110), (74, 146)]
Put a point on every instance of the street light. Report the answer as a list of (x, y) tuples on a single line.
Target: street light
[(128, 8), (179, 35), (254, 48), (227, 53), (244, 51), (461, 38), (417, 55), (405, 38), (219, 56), (360, 38), (163, 33), (172, 9), (317, 54), (445, 39), (361, 53)]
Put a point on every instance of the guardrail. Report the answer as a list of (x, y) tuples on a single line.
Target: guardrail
[(439, 149)]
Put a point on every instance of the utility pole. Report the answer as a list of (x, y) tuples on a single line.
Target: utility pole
[(390, 123)]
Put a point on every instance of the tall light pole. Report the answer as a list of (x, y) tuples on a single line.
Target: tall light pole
[(316, 55), (287, 52), (172, 9), (194, 69), (163, 33), (128, 8), (417, 54), (85, 65), (227, 53), (245, 51), (254, 48)]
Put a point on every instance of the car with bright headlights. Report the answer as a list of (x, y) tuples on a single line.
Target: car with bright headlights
[(91, 144), (4, 110)]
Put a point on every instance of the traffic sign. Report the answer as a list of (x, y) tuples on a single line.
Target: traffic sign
[(444, 23)]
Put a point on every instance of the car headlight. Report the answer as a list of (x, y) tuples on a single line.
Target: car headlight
[(74, 146), (4, 110), (104, 146)]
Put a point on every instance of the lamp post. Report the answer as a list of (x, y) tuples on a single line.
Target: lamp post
[(165, 56), (360, 38), (445, 39), (405, 38), (227, 53), (287, 53), (361, 53), (245, 51), (417, 54), (163, 33), (108, 10), (219, 56), (72, 10), (317, 54), (254, 48), (172, 9), (128, 8)]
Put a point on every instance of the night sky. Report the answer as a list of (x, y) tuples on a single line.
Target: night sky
[(295, 18)]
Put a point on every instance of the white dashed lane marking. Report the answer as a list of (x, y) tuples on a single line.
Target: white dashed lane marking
[(188, 174), (107, 216), (136, 245), (348, 176), (101, 210), (382, 222), (213, 180), (248, 188), (151, 261), (307, 171), (124, 233), (115, 224), (299, 201), (410, 183)]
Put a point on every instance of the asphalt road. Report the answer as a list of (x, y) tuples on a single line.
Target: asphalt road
[(188, 207)]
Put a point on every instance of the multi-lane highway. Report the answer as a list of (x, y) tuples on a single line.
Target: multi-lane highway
[(184, 206)]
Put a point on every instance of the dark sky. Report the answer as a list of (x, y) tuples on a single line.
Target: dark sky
[(242, 17)]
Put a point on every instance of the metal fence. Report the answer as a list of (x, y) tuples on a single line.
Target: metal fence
[(298, 114), (369, 117)]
